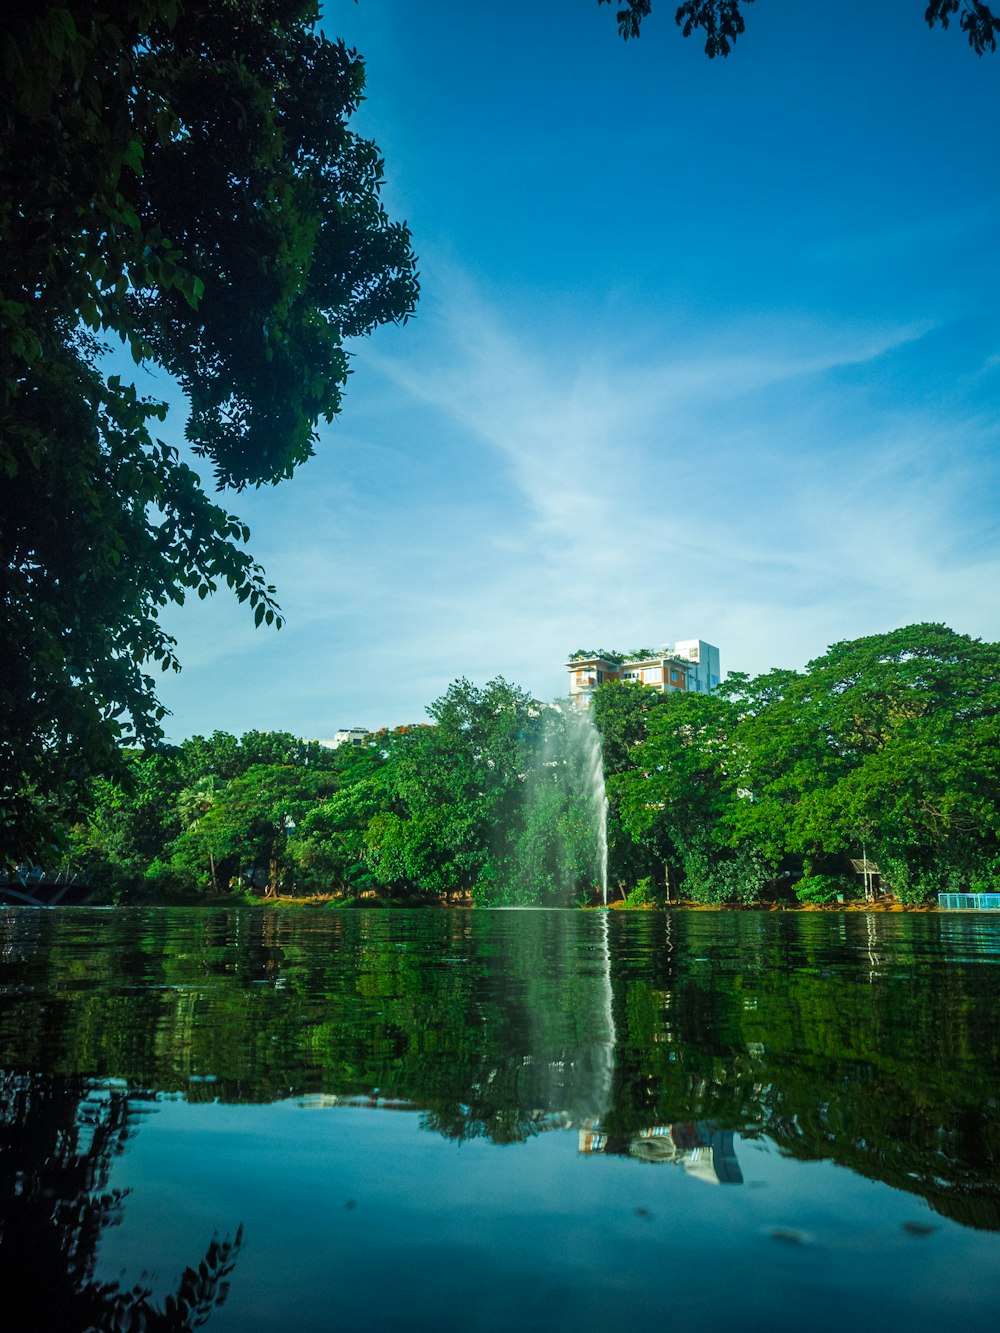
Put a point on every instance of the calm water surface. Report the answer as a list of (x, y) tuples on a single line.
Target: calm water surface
[(498, 1120)]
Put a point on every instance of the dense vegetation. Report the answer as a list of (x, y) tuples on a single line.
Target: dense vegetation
[(485, 799), (885, 751), (178, 185)]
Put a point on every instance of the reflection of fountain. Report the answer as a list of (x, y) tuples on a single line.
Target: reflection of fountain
[(569, 1072)]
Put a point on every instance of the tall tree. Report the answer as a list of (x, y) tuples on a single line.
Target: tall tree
[(679, 794), (886, 744), (452, 794), (621, 711), (181, 179)]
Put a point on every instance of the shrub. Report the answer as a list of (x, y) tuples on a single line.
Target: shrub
[(822, 888), (166, 881), (740, 878), (910, 883), (643, 895)]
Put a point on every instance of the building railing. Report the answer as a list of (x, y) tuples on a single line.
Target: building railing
[(969, 902)]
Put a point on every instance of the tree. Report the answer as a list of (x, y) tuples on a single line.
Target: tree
[(451, 795), (678, 795), (887, 743), (180, 180), (622, 711), (178, 820), (247, 827), (130, 820), (722, 21), (192, 804), (222, 756)]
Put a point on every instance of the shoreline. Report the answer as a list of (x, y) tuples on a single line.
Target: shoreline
[(341, 903)]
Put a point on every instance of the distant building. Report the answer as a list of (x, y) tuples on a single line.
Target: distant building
[(690, 665), (348, 736)]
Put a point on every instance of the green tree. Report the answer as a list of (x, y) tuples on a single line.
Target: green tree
[(224, 756), (621, 711), (329, 850), (679, 795), (193, 803), (154, 829), (887, 743), (452, 794), (131, 819), (722, 21), (180, 179), (250, 822)]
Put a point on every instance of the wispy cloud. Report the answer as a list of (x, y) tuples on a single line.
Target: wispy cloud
[(504, 496)]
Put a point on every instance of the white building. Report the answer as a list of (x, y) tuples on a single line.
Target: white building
[(348, 736)]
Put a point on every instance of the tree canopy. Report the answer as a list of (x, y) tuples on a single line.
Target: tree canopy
[(179, 179), (885, 749), (722, 21)]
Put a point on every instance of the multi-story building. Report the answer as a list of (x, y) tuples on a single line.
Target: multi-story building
[(348, 736), (689, 664)]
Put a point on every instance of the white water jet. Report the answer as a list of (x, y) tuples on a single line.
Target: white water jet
[(564, 840), (596, 792)]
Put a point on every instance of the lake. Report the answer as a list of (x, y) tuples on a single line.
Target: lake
[(314, 1120)]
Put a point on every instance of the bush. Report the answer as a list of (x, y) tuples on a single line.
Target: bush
[(822, 888), (109, 885), (963, 870), (740, 878), (909, 882), (164, 881), (643, 895)]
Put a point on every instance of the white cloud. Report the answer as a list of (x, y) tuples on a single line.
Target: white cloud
[(505, 495)]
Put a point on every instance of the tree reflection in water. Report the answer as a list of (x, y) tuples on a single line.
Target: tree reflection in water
[(58, 1139), (870, 1043)]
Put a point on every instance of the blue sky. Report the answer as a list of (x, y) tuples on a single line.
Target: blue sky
[(704, 349)]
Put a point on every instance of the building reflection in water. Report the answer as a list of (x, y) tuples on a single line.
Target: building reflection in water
[(705, 1153)]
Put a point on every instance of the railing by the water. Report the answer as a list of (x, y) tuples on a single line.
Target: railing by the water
[(34, 887), (969, 902)]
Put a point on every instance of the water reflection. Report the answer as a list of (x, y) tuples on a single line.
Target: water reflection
[(867, 1042), (703, 1150), (59, 1138)]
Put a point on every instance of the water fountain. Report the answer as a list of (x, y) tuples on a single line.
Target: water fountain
[(590, 742), (565, 811)]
